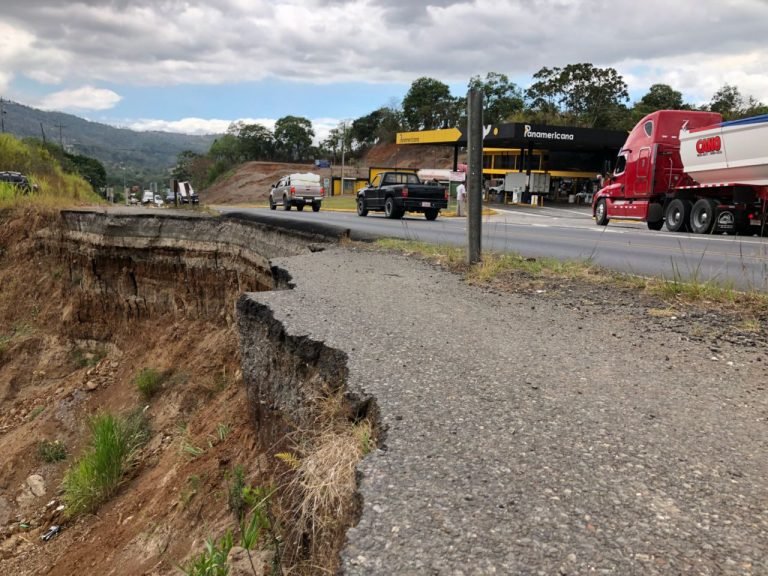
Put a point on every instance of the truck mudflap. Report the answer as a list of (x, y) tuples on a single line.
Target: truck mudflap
[(731, 219)]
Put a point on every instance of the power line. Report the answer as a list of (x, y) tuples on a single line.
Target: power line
[(60, 126)]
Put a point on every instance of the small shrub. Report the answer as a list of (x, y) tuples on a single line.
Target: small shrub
[(51, 451), (96, 476), (148, 381), (36, 411), (213, 560)]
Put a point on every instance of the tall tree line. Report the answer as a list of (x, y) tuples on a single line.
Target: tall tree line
[(574, 95)]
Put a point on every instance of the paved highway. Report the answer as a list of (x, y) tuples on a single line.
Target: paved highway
[(570, 233)]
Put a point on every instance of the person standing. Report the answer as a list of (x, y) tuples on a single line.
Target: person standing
[(461, 200)]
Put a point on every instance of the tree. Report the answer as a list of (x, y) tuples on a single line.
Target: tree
[(663, 97), (365, 129), (226, 149), (729, 102), (586, 95), (256, 141), (658, 97), (501, 98), (89, 168), (429, 105), (184, 165), (293, 137)]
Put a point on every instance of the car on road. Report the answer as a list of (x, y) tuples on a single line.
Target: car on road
[(297, 190), (396, 193), (159, 201)]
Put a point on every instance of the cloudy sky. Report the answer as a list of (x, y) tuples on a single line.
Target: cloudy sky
[(195, 66)]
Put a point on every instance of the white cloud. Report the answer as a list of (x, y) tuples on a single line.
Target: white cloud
[(83, 98), (703, 43), (194, 125), (321, 126)]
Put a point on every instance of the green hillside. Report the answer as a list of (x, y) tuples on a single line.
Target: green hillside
[(137, 157)]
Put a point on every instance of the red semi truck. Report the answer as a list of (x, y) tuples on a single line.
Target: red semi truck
[(690, 171)]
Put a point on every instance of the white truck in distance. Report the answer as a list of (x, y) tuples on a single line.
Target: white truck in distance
[(182, 193)]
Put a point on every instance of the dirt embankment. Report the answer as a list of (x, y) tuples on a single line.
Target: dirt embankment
[(87, 302), (251, 181)]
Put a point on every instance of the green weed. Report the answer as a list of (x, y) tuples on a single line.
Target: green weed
[(36, 412), (97, 475), (222, 431), (51, 451), (148, 382), (212, 561)]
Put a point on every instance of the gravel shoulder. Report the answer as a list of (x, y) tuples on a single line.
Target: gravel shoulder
[(561, 431)]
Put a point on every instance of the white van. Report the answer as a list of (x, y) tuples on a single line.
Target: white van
[(147, 197)]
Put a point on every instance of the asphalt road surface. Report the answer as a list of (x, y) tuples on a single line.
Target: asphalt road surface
[(570, 233), (527, 434)]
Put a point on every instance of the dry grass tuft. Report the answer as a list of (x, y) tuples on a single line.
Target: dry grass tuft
[(322, 484)]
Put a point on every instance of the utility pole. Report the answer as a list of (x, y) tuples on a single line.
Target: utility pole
[(343, 142), (61, 140), (474, 174), (2, 116)]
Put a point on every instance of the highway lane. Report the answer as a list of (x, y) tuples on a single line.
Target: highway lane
[(570, 233)]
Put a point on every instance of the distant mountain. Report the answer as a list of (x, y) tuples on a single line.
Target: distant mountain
[(136, 157)]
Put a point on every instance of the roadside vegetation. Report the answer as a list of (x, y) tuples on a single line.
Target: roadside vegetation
[(148, 382), (494, 267), (112, 450), (53, 186), (297, 521)]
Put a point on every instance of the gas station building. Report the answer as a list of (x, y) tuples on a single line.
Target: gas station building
[(572, 157)]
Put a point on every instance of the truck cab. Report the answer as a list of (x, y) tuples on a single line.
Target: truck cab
[(648, 168)]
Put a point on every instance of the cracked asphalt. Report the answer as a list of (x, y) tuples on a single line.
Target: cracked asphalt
[(524, 435)]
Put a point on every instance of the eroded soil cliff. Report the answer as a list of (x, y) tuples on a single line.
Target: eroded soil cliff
[(87, 302)]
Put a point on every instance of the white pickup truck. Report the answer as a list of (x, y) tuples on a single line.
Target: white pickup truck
[(297, 190)]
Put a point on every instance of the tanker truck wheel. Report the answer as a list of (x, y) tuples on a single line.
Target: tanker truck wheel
[(703, 216), (601, 213), (658, 225), (677, 215)]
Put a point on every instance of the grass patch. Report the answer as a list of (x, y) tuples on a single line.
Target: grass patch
[(97, 475), (51, 451), (148, 382), (250, 507), (663, 313), (36, 411), (451, 257), (495, 265), (55, 187), (212, 561), (321, 482)]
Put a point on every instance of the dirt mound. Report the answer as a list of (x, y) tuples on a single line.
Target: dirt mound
[(251, 182), (395, 156)]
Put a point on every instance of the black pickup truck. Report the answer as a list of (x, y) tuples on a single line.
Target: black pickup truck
[(396, 193)]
